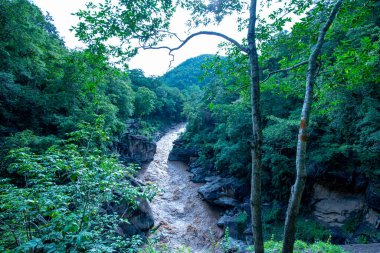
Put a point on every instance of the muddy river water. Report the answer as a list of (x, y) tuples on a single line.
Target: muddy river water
[(181, 217)]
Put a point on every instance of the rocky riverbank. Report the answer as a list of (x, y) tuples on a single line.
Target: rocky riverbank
[(348, 213)]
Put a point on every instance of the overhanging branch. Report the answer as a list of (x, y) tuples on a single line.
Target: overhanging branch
[(284, 70), (211, 33), (183, 42)]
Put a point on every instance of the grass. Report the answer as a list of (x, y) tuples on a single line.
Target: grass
[(271, 246)]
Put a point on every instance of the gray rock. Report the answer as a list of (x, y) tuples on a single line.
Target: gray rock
[(211, 178), (136, 148), (335, 208), (372, 196), (224, 192), (139, 221), (236, 222), (226, 201), (199, 174), (232, 245), (182, 153)]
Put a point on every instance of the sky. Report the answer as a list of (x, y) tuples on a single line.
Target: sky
[(152, 62)]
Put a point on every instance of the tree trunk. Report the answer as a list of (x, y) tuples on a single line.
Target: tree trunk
[(257, 132), (298, 187)]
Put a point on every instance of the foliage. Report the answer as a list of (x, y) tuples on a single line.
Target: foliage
[(47, 89), (308, 230), (57, 172), (300, 246), (311, 231), (54, 183), (188, 73), (145, 101), (345, 125), (156, 104), (352, 223), (131, 29), (56, 200), (270, 246)]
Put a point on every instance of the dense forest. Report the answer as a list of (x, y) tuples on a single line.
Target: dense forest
[(65, 114), (62, 113)]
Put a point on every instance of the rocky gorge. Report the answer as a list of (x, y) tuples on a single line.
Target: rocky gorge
[(346, 205), (194, 200)]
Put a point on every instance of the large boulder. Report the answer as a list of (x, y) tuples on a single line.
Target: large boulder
[(224, 192), (335, 208), (139, 221), (136, 148), (142, 217), (200, 173), (373, 195), (236, 223), (181, 152)]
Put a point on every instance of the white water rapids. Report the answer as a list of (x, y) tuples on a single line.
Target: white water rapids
[(181, 217)]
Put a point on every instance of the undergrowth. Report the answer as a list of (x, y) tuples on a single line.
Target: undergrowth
[(270, 246)]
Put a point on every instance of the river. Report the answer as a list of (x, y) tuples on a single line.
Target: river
[(181, 217)]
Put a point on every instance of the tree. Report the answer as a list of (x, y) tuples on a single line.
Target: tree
[(298, 187), (145, 101), (100, 23)]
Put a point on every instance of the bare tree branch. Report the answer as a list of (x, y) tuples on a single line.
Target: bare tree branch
[(183, 42), (211, 33), (284, 70)]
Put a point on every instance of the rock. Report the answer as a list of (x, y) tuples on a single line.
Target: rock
[(360, 183), (182, 153), (200, 173), (335, 208), (211, 178), (223, 192), (226, 201), (315, 169), (373, 196), (365, 233), (373, 218), (339, 178), (235, 222), (142, 217), (246, 206), (136, 148), (338, 236), (232, 245), (139, 221)]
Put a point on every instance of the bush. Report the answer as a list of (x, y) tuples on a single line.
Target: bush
[(53, 203)]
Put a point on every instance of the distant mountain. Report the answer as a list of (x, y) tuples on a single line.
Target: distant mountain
[(188, 73)]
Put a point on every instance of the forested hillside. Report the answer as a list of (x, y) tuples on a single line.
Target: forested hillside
[(77, 126), (190, 72), (62, 113), (343, 154)]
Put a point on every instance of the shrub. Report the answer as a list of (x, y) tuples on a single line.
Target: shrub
[(53, 203)]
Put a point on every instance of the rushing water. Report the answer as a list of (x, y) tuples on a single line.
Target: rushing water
[(181, 217)]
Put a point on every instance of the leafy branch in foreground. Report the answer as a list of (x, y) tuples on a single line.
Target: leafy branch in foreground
[(59, 201)]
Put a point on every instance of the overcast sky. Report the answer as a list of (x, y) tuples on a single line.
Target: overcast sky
[(152, 62)]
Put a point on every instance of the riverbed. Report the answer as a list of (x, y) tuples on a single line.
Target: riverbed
[(182, 219)]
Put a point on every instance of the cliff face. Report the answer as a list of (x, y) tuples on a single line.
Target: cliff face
[(348, 214), (346, 203), (336, 208), (345, 200), (136, 148)]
